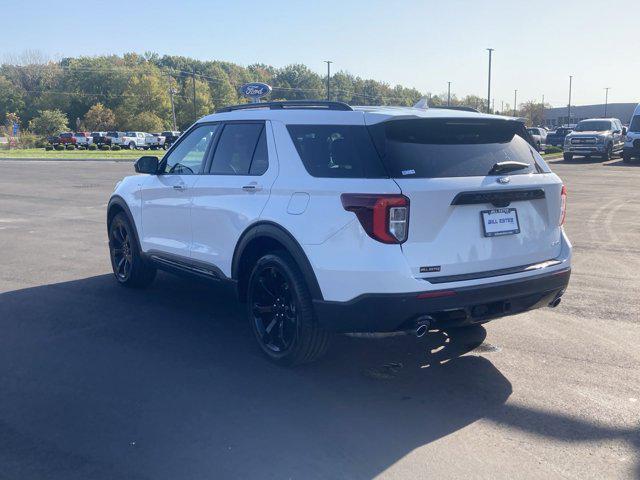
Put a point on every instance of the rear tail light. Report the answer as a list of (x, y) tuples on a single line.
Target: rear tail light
[(563, 205), (385, 217)]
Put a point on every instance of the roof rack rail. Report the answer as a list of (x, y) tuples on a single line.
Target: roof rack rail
[(289, 104), (456, 107)]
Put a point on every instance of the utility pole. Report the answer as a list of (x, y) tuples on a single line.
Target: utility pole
[(606, 100), (569, 105), (328, 62), (490, 50), (493, 105), (193, 78), (448, 94), (502, 107), (515, 101), (172, 92)]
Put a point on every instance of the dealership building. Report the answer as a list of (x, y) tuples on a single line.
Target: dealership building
[(554, 117)]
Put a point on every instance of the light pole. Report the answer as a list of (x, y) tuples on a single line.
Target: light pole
[(569, 105), (515, 101), (606, 100), (448, 94), (328, 62), (490, 50), (172, 92)]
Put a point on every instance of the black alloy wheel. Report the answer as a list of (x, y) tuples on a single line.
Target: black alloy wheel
[(281, 314), (274, 310), (121, 254), (129, 268)]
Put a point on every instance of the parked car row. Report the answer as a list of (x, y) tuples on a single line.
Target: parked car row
[(130, 140)]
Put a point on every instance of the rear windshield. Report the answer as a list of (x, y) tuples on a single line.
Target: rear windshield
[(635, 124), (436, 148), (337, 151)]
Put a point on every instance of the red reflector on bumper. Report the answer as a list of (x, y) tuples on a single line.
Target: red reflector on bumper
[(437, 294)]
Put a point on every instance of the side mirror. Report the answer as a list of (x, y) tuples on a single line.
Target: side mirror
[(147, 164), (624, 130), (616, 131)]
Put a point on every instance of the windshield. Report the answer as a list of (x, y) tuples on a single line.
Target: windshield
[(533, 131), (635, 124), (593, 126)]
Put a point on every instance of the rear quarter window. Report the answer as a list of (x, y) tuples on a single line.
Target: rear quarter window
[(337, 151)]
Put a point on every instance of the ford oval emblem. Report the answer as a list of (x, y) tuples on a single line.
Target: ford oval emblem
[(503, 180), (255, 90)]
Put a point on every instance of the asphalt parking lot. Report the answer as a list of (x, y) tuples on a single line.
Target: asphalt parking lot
[(100, 382)]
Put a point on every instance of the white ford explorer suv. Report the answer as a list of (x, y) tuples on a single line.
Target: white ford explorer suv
[(329, 218)]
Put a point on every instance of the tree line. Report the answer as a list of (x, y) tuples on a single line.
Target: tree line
[(144, 92)]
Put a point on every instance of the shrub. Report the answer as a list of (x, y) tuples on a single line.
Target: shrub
[(92, 147), (70, 147), (48, 147), (59, 147), (29, 140), (104, 147), (116, 147), (552, 149)]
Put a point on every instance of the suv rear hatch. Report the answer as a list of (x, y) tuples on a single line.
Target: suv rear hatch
[(468, 218)]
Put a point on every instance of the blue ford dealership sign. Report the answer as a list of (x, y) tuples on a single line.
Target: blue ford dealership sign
[(255, 90)]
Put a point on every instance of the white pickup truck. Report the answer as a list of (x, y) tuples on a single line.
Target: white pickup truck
[(133, 140), (153, 141)]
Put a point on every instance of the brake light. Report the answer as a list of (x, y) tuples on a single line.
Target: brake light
[(385, 217), (563, 205)]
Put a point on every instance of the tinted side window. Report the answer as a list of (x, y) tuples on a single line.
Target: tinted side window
[(260, 162), (187, 157), (235, 149), (337, 151)]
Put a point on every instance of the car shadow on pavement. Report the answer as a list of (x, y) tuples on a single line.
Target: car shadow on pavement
[(621, 163), (99, 381)]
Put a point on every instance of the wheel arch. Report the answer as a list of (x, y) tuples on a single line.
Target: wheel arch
[(261, 238), (116, 205)]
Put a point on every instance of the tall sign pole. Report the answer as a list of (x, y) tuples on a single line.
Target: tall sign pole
[(328, 62), (569, 105), (490, 50)]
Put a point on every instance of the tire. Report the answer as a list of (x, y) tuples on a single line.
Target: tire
[(132, 146), (626, 158), (278, 300), (129, 267), (567, 157), (165, 146), (537, 146)]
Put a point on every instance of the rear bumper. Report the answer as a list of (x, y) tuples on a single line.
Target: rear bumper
[(455, 307)]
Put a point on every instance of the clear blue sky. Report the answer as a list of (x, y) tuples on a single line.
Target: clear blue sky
[(422, 44)]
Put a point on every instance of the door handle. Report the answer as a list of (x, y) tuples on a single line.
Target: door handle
[(179, 186), (252, 187)]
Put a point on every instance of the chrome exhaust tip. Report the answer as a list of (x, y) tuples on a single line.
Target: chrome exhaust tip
[(555, 303)]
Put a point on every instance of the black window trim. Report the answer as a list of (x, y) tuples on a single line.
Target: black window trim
[(216, 140), (182, 137)]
